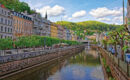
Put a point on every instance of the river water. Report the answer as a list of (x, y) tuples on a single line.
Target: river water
[(82, 66)]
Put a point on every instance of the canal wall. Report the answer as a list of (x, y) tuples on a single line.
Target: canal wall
[(13, 63), (104, 71), (119, 69)]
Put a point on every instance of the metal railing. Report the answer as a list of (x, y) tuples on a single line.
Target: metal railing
[(124, 66)]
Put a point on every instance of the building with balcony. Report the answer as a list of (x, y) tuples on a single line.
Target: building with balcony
[(41, 25), (54, 30), (37, 24), (22, 24), (6, 23), (46, 27)]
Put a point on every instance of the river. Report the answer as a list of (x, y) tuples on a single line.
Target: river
[(82, 66)]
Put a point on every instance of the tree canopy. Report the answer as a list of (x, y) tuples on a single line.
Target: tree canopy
[(17, 6), (88, 27)]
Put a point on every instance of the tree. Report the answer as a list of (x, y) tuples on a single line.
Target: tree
[(119, 36), (113, 39), (123, 36)]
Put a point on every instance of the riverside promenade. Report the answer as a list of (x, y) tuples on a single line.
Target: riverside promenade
[(120, 70)]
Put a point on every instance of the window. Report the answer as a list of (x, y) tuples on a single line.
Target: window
[(2, 11), (8, 30), (5, 21), (11, 30), (5, 29), (8, 22), (8, 13), (1, 20), (11, 23), (5, 12), (1, 28)]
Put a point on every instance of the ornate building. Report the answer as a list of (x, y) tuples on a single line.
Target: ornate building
[(41, 25), (6, 23), (22, 24)]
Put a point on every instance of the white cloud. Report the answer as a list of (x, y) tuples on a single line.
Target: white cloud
[(104, 12), (104, 19), (52, 11), (120, 19), (65, 16), (70, 18), (79, 14)]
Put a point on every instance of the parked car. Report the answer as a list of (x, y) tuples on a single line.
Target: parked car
[(127, 57), (113, 51)]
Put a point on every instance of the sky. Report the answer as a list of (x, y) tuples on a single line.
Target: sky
[(108, 11)]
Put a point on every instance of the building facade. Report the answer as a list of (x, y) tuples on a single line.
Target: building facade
[(41, 25), (68, 34), (72, 35), (46, 27), (22, 24), (37, 24), (61, 32), (6, 23), (128, 14), (54, 30)]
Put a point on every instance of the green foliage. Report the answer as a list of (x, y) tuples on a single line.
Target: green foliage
[(104, 62), (17, 6), (108, 69), (32, 41), (94, 41), (87, 27), (111, 78), (6, 44)]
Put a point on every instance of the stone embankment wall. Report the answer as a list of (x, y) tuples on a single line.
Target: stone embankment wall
[(119, 69), (14, 63)]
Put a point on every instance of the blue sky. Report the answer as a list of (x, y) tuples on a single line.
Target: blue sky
[(109, 11)]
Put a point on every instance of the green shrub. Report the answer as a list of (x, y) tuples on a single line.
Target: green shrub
[(32, 41)]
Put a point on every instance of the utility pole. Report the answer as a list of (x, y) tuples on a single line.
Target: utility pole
[(123, 14)]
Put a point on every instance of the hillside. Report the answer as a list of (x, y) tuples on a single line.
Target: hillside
[(16, 5), (90, 27)]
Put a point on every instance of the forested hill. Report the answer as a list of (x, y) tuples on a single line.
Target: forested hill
[(88, 25), (16, 5)]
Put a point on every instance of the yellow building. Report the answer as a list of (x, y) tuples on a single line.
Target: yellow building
[(73, 36), (54, 30)]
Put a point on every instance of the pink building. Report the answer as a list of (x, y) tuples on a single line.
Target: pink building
[(61, 32)]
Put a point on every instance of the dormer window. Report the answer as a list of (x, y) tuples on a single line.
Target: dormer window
[(2, 11)]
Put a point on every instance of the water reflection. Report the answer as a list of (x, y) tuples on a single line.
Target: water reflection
[(83, 66)]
